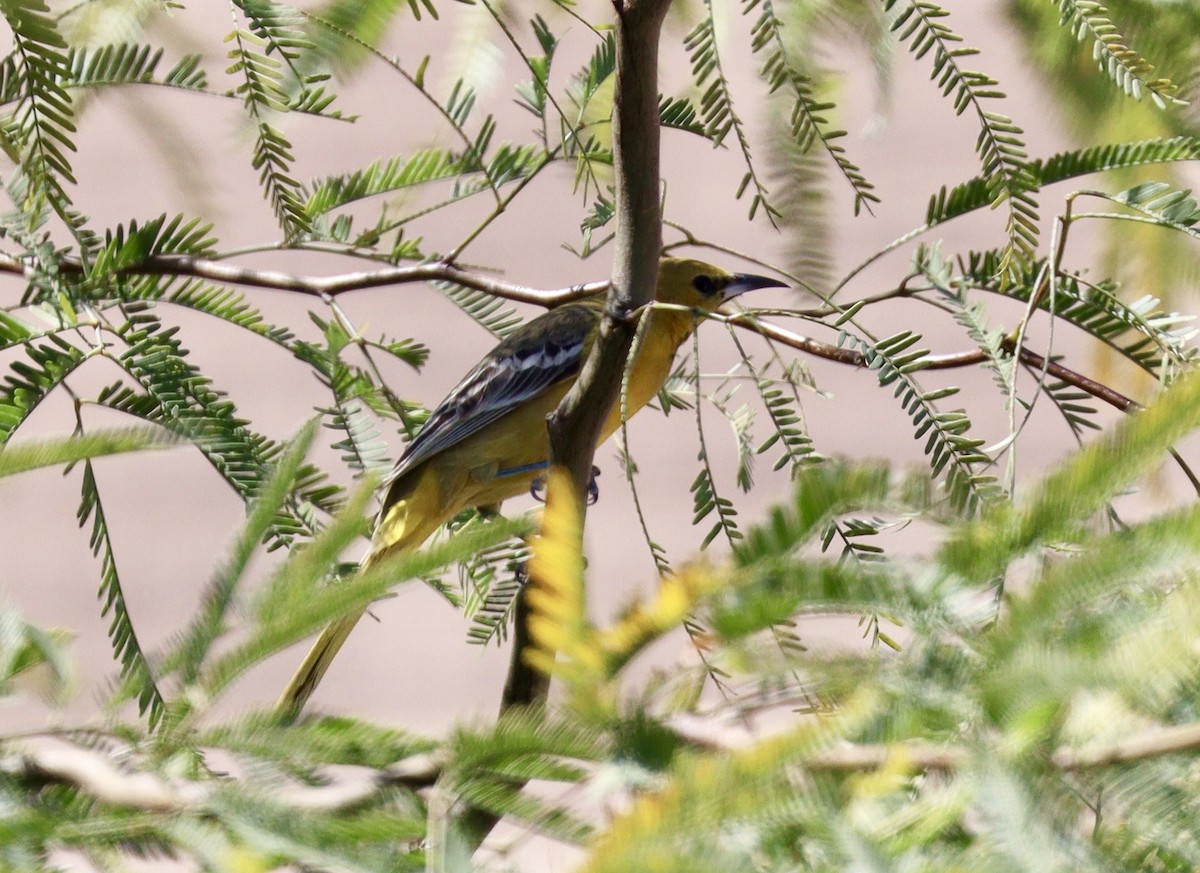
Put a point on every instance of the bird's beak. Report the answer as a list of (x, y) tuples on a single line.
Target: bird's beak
[(743, 282)]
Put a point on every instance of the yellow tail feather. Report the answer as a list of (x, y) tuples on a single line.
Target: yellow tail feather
[(403, 526), (313, 668)]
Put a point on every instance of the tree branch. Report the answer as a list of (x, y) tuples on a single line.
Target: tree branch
[(922, 755), (216, 270), (1139, 747), (850, 758), (575, 425), (936, 362), (95, 775)]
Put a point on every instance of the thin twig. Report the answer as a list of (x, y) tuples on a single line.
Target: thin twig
[(1139, 747), (916, 756), (331, 286), (94, 773), (322, 286), (950, 361)]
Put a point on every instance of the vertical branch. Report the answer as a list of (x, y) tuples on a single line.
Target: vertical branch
[(575, 425)]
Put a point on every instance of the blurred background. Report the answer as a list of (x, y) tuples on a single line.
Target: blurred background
[(148, 151)]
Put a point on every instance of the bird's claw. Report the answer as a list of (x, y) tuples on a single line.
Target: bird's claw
[(593, 492), (537, 488)]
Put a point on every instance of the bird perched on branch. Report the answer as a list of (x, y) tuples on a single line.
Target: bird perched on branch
[(487, 441)]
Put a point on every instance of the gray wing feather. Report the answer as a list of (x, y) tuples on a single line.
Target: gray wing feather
[(534, 358)]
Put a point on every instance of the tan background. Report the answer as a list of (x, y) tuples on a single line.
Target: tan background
[(144, 152)]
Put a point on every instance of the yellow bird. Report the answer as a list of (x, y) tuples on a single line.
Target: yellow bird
[(487, 441)]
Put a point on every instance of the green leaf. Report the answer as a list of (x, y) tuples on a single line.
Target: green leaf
[(190, 652), (948, 446), (293, 604), (175, 395), (70, 450), (136, 672), (1124, 65), (974, 194), (716, 107), (44, 120), (24, 647), (807, 116), (314, 742), (28, 384), (1081, 486), (1000, 144)]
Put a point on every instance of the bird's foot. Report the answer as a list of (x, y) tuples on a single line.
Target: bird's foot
[(537, 488), (593, 492)]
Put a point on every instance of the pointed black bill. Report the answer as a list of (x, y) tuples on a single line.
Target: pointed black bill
[(743, 282)]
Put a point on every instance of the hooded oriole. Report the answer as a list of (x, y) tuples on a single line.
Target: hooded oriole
[(487, 440)]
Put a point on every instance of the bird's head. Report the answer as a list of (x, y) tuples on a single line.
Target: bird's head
[(697, 285)]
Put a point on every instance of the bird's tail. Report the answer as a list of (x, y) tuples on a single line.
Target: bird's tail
[(406, 524), (313, 668)]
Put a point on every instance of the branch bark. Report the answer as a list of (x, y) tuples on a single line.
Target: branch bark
[(94, 774), (576, 423), (951, 361), (575, 426), (216, 270)]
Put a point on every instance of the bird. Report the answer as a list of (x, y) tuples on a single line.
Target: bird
[(487, 441)]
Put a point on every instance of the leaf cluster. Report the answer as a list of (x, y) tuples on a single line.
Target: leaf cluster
[(1025, 695)]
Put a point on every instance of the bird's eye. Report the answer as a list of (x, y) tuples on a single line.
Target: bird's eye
[(704, 284)]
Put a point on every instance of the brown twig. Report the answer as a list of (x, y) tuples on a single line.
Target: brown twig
[(1153, 743), (216, 270), (962, 359), (951, 361), (1139, 747), (330, 286), (94, 774)]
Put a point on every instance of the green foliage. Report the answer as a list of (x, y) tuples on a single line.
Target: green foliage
[(1090, 21), (1172, 209), (27, 384), (948, 444), (24, 648), (490, 582), (41, 128), (22, 457), (716, 108), (127, 648), (806, 116), (705, 499), (1157, 340), (197, 640), (951, 698), (263, 91), (128, 64), (1000, 145), (1023, 696), (973, 195), (490, 767), (1096, 112)]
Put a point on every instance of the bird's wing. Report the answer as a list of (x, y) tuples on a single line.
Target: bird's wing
[(537, 356)]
